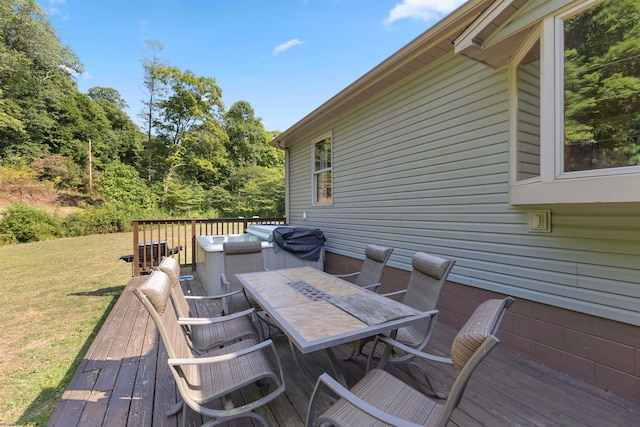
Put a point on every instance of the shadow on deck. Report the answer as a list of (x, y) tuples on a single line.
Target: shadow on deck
[(124, 380)]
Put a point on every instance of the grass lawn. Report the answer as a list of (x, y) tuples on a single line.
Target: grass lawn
[(54, 296)]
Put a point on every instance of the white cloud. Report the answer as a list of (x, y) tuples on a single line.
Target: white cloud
[(425, 10), (55, 11), (286, 45), (73, 73)]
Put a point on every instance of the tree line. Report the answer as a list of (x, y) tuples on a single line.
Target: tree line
[(191, 157)]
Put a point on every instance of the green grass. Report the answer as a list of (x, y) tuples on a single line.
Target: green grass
[(54, 296)]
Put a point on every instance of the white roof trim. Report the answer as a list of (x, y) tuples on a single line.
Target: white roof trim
[(468, 39)]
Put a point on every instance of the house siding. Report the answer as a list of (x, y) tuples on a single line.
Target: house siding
[(425, 167)]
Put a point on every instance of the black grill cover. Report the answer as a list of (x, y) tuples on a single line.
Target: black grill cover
[(305, 243)]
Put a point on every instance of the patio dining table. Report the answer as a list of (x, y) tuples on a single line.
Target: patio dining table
[(319, 311)]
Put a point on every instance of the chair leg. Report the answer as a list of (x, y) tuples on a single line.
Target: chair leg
[(355, 350), (175, 408), (388, 358), (270, 325), (358, 346), (437, 393)]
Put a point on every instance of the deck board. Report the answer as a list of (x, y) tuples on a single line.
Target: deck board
[(123, 380)]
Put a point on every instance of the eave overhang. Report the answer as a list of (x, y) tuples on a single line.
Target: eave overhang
[(476, 41)]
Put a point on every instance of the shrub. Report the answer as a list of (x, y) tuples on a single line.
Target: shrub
[(16, 173), (61, 171), (121, 183), (23, 223), (111, 217), (181, 198)]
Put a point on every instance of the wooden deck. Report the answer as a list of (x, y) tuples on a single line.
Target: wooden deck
[(124, 380)]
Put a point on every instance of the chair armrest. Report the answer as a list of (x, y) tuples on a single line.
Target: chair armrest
[(223, 357), (224, 279), (394, 293), (209, 297), (328, 382), (373, 287), (216, 319), (398, 345), (347, 275)]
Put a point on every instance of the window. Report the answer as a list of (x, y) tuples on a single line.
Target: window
[(577, 107), (601, 100), (322, 176)]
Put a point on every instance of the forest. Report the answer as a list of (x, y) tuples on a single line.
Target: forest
[(190, 157)]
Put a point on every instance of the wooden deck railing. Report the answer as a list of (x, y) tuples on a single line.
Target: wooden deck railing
[(156, 238)]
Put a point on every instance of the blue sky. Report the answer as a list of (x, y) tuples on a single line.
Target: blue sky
[(285, 57)]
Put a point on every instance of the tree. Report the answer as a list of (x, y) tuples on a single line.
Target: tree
[(124, 134), (184, 198), (108, 95), (205, 159), (188, 118), (248, 143), (121, 183), (151, 64), (260, 191), (36, 79)]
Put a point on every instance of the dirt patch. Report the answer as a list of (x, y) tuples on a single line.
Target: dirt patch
[(41, 197)]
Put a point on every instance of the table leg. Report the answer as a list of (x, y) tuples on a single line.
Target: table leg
[(337, 372), (293, 353)]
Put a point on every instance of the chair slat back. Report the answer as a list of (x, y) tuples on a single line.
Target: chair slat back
[(241, 257), (478, 327), (472, 344), (171, 268), (154, 294), (375, 259), (428, 276)]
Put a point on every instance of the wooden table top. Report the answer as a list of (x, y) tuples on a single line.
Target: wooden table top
[(302, 301)]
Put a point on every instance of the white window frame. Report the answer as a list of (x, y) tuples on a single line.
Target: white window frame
[(315, 173), (554, 186)]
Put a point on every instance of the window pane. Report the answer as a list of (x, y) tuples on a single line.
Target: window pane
[(323, 189), (323, 154), (602, 87), (528, 137)]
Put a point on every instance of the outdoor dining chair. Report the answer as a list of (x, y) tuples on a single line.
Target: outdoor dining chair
[(375, 259), (380, 398), (239, 257), (369, 276), (428, 275), (206, 333), (244, 257), (205, 383)]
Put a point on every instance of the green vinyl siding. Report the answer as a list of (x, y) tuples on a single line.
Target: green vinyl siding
[(425, 167)]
